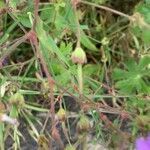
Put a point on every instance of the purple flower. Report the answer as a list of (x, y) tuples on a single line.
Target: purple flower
[(143, 143)]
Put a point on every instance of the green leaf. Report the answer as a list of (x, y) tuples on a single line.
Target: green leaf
[(126, 86), (14, 111), (14, 3), (2, 4), (140, 30), (133, 79), (66, 49), (47, 44), (5, 37), (48, 13), (70, 17), (144, 62), (87, 42), (119, 74), (90, 69), (131, 64), (24, 19), (144, 10)]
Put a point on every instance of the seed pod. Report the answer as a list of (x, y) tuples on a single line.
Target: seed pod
[(84, 124), (61, 114), (79, 56)]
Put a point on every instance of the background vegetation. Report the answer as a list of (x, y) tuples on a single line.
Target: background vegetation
[(77, 62)]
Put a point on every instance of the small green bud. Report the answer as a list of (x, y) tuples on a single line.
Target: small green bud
[(17, 99), (61, 114), (105, 41), (84, 124), (45, 87), (79, 56), (70, 147)]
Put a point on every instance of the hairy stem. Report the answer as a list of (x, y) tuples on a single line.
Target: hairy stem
[(78, 34), (80, 78)]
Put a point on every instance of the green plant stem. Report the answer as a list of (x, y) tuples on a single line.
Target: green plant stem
[(85, 141), (80, 79), (2, 136), (78, 34)]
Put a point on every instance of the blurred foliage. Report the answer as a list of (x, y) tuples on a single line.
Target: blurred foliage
[(116, 75)]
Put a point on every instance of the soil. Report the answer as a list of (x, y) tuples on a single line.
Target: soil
[(28, 143)]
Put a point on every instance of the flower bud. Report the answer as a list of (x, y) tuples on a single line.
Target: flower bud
[(84, 124), (17, 99), (70, 147), (79, 56), (61, 114)]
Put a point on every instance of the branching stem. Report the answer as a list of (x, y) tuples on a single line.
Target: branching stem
[(108, 9)]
